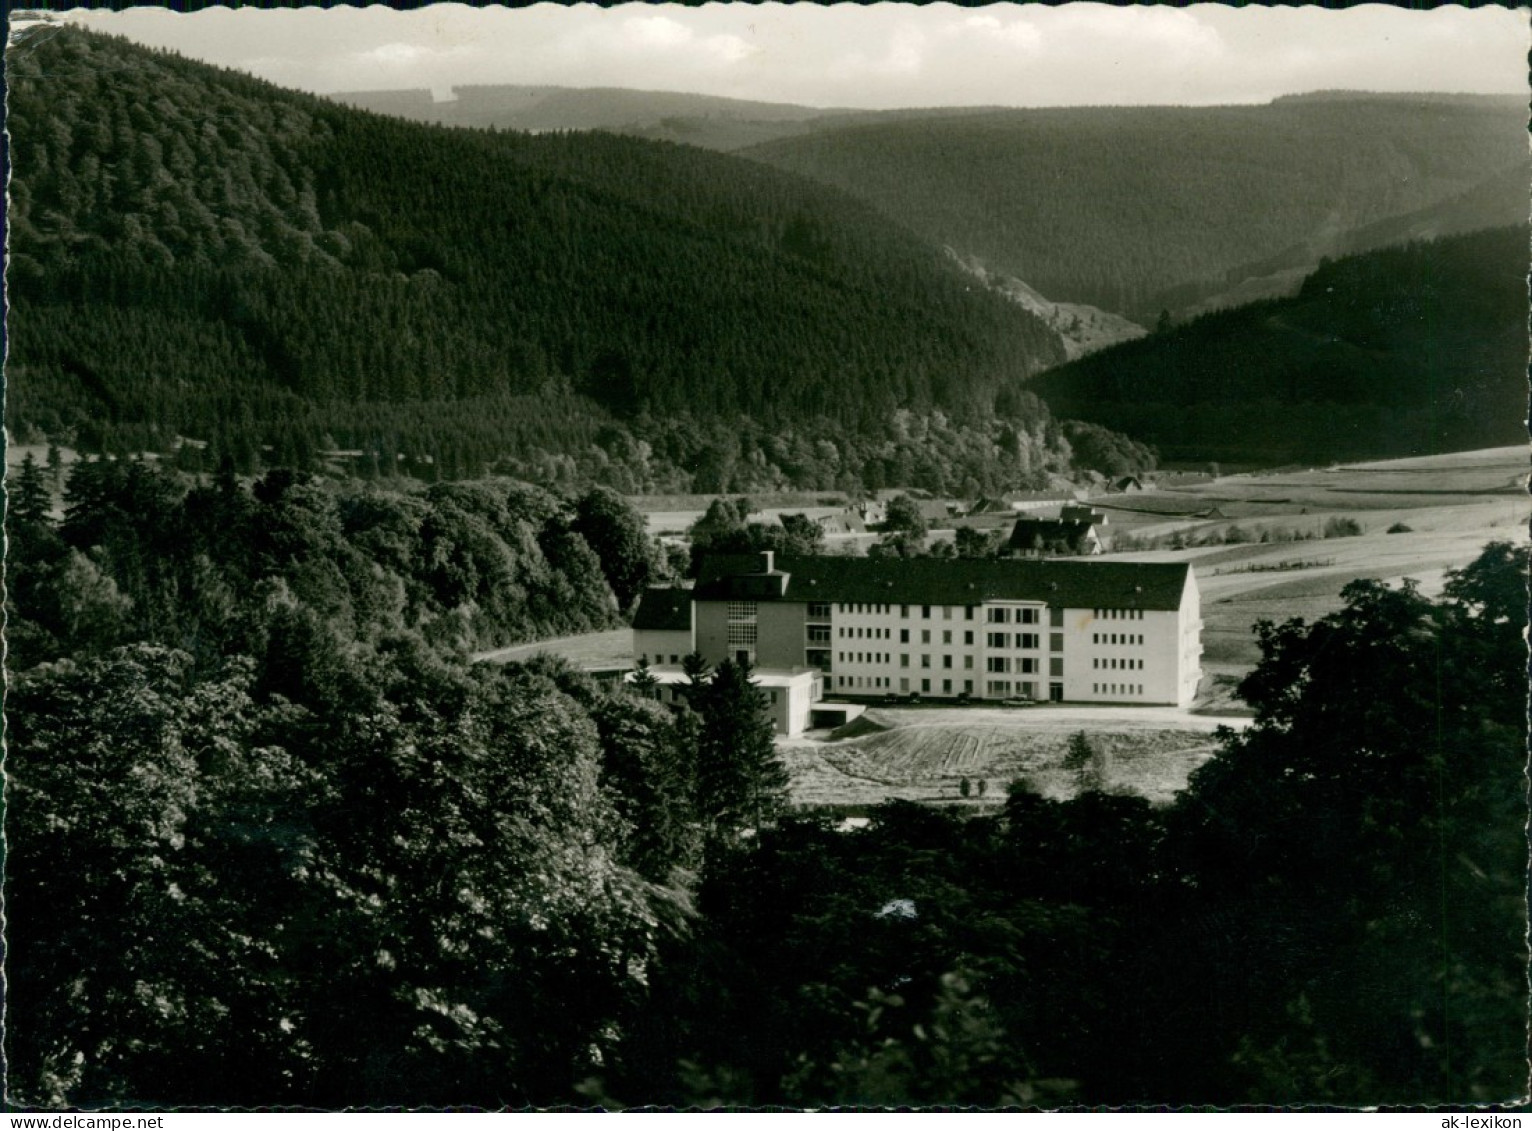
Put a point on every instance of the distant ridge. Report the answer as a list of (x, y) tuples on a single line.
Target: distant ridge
[(1402, 351), (1424, 96), (1139, 209), (709, 121)]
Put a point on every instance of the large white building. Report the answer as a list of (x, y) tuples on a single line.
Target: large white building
[(1065, 630)]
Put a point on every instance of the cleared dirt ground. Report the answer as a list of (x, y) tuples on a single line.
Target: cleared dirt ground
[(924, 753)]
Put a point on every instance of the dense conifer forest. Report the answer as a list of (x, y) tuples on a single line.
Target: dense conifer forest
[(196, 254), (1116, 206), (1405, 351)]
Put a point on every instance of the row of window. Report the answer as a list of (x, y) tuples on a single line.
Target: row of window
[(1119, 614), (1026, 665), (819, 634), (995, 664), (1117, 638), (1113, 663), (659, 658), (868, 682), (1003, 615), (1117, 688), (1022, 664), (883, 683), (1003, 640), (1023, 616), (997, 687), (947, 612)]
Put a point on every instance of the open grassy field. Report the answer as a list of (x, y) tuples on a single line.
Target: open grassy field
[(612, 648), (1453, 505)]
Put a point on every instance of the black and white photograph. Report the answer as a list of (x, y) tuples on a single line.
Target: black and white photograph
[(743, 556)]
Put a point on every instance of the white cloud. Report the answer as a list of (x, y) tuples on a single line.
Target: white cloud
[(987, 32), (903, 56), (728, 48), (394, 55), (657, 32), (1092, 27), (875, 55)]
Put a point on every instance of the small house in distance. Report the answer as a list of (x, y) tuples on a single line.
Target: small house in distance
[(934, 512), (1035, 537), (848, 521), (662, 626)]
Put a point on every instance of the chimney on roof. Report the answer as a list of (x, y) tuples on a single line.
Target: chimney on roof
[(768, 561)]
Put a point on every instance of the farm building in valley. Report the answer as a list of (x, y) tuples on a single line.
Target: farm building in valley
[(1080, 631), (1038, 536)]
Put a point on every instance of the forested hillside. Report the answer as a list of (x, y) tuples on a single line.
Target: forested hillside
[(195, 253), (271, 838), (1405, 351), (1117, 206)]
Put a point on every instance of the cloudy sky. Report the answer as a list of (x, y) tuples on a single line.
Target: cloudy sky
[(879, 55)]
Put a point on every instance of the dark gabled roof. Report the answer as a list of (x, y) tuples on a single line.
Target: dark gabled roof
[(664, 610), (1032, 533), (953, 581)]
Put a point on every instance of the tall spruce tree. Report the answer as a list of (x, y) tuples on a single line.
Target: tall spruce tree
[(30, 501), (742, 783)]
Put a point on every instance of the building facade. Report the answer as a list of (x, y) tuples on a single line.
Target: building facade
[(789, 696), (662, 626), (1076, 631)]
